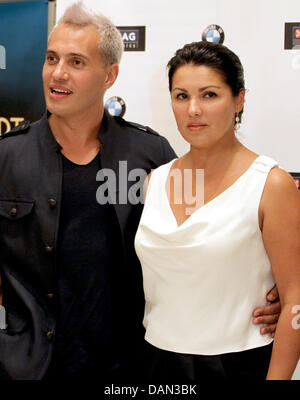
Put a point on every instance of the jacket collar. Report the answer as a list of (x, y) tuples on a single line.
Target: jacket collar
[(114, 143), (104, 130), (48, 137), (111, 134)]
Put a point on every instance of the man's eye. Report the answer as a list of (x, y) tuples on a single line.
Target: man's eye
[(77, 62), (51, 59), (209, 95)]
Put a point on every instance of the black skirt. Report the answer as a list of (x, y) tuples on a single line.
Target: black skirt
[(166, 366)]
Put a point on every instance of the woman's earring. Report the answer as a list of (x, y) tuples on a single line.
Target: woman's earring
[(237, 122)]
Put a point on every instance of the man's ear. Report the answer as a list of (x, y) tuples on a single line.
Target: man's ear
[(112, 72)]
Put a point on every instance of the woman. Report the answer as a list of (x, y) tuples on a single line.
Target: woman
[(204, 243)]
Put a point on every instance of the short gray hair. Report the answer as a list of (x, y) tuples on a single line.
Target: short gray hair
[(110, 43)]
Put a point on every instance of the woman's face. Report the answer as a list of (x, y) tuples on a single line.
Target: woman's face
[(203, 105)]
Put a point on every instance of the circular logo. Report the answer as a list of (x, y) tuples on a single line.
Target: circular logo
[(213, 33), (297, 33), (115, 106)]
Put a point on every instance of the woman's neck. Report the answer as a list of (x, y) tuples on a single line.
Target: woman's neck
[(213, 159)]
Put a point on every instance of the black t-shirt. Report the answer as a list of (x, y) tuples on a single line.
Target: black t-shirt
[(88, 259)]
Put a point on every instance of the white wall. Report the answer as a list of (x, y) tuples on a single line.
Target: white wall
[(254, 29)]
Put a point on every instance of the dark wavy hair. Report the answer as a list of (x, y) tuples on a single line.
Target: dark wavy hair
[(212, 55)]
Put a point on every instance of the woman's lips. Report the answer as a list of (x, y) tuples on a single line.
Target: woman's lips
[(196, 126)]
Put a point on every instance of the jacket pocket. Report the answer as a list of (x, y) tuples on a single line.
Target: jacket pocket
[(15, 209)]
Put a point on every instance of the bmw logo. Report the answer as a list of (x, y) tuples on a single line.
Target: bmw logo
[(213, 33), (115, 106), (297, 33)]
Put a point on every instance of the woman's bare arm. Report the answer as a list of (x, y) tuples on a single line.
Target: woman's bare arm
[(280, 207)]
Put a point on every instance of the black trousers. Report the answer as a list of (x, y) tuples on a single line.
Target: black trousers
[(92, 373), (166, 366)]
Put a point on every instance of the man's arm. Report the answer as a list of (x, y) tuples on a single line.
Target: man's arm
[(168, 152)]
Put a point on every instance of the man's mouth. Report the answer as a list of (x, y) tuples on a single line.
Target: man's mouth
[(60, 91)]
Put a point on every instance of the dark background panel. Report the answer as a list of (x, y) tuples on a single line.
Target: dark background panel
[(23, 34)]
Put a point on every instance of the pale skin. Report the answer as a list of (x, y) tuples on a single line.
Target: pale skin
[(204, 109)]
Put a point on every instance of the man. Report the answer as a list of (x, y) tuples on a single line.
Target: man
[(71, 282)]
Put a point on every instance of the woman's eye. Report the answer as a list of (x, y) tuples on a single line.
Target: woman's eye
[(209, 95), (181, 96)]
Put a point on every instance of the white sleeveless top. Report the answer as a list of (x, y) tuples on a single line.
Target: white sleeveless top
[(203, 279)]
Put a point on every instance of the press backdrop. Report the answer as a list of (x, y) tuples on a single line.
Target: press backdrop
[(262, 33), (254, 29)]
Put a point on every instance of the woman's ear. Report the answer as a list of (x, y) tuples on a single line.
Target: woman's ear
[(240, 100)]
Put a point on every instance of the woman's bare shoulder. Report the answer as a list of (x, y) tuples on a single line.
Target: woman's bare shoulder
[(281, 191), (279, 179)]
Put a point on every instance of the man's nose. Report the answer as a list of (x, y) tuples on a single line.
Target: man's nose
[(195, 107), (60, 71)]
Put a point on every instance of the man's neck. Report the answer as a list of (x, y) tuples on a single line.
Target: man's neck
[(79, 138), (79, 130)]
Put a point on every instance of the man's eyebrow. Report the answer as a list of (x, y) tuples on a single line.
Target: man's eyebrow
[(49, 51), (77, 55)]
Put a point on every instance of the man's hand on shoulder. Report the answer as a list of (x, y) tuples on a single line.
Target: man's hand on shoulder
[(268, 314)]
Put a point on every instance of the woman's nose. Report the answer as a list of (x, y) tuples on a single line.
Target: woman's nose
[(195, 107)]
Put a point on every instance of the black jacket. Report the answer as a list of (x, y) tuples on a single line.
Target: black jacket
[(30, 198)]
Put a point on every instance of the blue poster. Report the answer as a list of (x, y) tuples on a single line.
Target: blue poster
[(23, 42)]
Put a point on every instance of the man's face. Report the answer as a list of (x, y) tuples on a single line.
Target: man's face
[(74, 76)]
